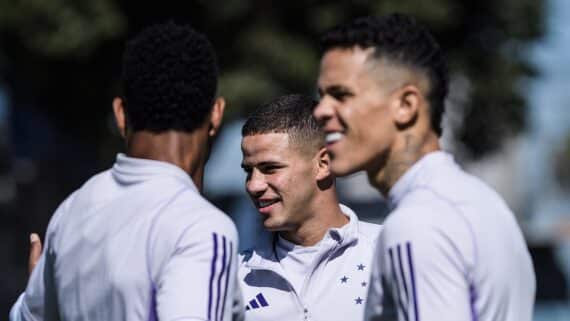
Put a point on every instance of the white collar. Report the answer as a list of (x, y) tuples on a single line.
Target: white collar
[(415, 175), (130, 170), (263, 257)]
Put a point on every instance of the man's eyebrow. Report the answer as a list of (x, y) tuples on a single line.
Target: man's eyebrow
[(261, 164), (339, 88), (269, 163), (336, 89)]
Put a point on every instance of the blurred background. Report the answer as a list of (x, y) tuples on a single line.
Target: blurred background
[(507, 120)]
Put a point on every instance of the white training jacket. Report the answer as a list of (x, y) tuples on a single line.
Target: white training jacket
[(335, 290), (136, 242), (450, 250)]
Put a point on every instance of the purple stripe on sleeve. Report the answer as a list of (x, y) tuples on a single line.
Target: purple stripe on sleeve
[(396, 285), (472, 300), (212, 273), (413, 279), (222, 271), (402, 274), (228, 275), (152, 313)]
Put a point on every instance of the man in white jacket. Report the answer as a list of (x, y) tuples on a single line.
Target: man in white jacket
[(450, 249), (317, 266), (138, 241)]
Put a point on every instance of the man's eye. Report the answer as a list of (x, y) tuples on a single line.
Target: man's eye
[(269, 169), (340, 96)]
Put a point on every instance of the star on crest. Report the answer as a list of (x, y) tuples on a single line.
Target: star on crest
[(358, 300), (343, 279), (363, 284), (360, 267)]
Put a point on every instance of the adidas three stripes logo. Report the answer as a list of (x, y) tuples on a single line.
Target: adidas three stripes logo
[(257, 302)]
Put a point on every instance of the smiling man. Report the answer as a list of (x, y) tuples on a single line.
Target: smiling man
[(318, 265), (450, 249)]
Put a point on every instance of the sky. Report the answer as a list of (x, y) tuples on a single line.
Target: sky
[(549, 125), (549, 94)]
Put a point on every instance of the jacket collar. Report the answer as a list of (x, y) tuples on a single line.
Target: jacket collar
[(417, 175), (130, 170), (263, 257)]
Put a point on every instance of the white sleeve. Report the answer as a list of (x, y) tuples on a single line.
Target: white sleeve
[(15, 313), (238, 312), (39, 301), (425, 269), (198, 281), (378, 305)]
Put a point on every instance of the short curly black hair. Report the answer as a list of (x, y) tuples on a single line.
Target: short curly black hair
[(169, 79), (402, 40), (291, 114)]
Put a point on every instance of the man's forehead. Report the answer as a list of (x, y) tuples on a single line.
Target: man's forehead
[(341, 65), (264, 142), (341, 58), (344, 66), (274, 146)]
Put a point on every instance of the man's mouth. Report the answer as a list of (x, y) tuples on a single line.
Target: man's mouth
[(265, 203), (333, 137)]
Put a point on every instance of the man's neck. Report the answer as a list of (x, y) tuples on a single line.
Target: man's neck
[(408, 151), (185, 150), (313, 230)]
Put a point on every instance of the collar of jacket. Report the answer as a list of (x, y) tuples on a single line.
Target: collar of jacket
[(130, 170), (335, 239), (417, 175)]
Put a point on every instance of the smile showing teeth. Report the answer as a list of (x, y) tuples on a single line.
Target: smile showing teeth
[(266, 203), (333, 137)]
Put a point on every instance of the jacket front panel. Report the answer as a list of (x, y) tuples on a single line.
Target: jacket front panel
[(335, 289)]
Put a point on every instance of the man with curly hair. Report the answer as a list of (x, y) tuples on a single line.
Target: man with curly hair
[(450, 248), (138, 241)]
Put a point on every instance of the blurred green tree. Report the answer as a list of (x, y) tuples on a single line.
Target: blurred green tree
[(60, 63), (65, 55)]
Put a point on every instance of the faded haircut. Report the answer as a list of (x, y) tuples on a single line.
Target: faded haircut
[(290, 114), (401, 40)]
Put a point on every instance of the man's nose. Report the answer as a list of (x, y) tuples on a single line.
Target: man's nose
[(256, 183)]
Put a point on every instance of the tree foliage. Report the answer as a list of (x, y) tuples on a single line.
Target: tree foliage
[(67, 53), (60, 63)]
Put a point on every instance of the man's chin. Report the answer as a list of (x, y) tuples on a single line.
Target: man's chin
[(275, 226), (271, 226)]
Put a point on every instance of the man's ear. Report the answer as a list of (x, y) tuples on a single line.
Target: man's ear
[(406, 106), (119, 112), (216, 116), (323, 164)]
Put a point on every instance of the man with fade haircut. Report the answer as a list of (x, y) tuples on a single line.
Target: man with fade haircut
[(138, 241), (450, 249), (317, 265)]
